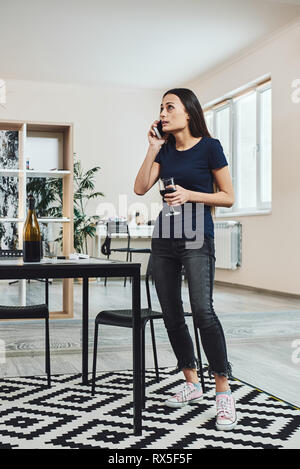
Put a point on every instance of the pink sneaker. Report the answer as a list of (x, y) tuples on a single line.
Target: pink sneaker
[(187, 395), (226, 413)]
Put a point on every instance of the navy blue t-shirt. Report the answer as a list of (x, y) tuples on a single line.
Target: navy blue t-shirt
[(191, 169)]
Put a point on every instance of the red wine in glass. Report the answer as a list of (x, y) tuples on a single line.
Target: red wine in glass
[(167, 186), (167, 191)]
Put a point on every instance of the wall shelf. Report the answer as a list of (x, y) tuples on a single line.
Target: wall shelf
[(11, 220), (53, 220), (41, 220), (11, 172), (33, 173)]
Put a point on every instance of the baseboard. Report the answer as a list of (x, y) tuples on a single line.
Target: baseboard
[(256, 289)]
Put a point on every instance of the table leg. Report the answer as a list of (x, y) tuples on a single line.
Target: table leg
[(85, 329), (137, 354), (22, 292), (98, 250), (47, 291)]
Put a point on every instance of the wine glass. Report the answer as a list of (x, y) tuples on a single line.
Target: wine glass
[(165, 187), (52, 249)]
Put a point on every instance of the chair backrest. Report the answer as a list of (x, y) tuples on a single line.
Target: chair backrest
[(149, 271), (114, 227), (111, 228), (40, 311)]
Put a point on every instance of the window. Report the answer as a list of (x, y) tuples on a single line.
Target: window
[(242, 123)]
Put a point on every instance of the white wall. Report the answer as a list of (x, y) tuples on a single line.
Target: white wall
[(271, 252)]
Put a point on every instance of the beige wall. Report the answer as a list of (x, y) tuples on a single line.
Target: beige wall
[(271, 252)]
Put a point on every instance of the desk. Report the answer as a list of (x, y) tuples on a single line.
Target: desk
[(85, 268)]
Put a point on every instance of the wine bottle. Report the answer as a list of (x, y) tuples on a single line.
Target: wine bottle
[(137, 218), (31, 234)]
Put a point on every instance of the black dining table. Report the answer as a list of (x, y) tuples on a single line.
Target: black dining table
[(85, 269)]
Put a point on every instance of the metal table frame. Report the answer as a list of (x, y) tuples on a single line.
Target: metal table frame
[(16, 269)]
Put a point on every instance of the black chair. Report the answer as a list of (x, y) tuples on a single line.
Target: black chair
[(31, 312), (120, 227), (123, 318)]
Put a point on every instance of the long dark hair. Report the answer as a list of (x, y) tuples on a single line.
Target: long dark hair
[(197, 124)]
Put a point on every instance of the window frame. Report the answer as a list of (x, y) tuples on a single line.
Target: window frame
[(261, 208)]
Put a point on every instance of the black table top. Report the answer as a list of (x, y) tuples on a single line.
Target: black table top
[(66, 268)]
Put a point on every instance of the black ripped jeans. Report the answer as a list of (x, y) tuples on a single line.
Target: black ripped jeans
[(168, 257)]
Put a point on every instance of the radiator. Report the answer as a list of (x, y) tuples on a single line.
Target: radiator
[(228, 244)]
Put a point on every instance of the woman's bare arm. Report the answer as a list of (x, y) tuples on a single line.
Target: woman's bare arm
[(149, 171), (223, 198)]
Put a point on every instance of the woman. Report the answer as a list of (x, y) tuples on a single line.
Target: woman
[(188, 153)]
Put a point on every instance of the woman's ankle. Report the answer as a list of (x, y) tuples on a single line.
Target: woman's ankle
[(222, 384), (191, 375)]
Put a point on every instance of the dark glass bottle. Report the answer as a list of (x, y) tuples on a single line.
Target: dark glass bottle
[(31, 234)]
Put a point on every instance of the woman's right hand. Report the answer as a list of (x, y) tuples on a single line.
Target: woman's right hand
[(152, 137)]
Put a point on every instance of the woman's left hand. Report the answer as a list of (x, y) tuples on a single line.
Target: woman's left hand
[(179, 197)]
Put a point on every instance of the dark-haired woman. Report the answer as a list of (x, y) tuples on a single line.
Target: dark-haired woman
[(188, 153)]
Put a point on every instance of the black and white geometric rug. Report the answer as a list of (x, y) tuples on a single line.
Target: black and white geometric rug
[(66, 416)]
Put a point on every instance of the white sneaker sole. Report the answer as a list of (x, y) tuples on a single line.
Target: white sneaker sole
[(178, 405), (227, 427)]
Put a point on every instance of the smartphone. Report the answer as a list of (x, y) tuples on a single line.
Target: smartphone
[(158, 130)]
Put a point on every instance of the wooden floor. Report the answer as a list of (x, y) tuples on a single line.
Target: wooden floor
[(261, 330)]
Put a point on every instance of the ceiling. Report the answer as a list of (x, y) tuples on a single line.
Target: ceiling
[(130, 43)]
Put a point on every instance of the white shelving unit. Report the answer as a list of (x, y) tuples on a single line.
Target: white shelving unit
[(46, 146)]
